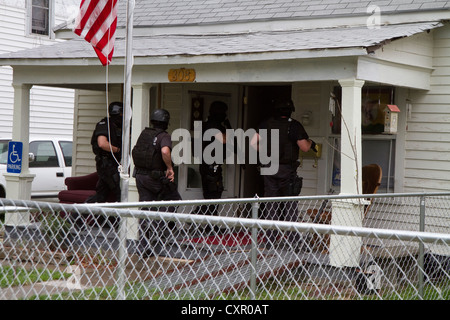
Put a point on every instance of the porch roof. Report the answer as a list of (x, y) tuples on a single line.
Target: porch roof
[(306, 43)]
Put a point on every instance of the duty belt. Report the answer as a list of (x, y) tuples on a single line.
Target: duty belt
[(154, 173)]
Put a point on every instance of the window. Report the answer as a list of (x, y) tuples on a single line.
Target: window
[(4, 151), (381, 150), (40, 17), (374, 101), (44, 154), (377, 147), (66, 147)]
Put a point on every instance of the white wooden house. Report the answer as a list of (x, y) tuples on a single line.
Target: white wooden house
[(26, 24), (368, 54)]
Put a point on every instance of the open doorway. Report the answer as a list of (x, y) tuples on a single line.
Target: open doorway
[(257, 108)]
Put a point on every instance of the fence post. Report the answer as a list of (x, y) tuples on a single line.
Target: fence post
[(255, 210), (122, 255), (421, 247)]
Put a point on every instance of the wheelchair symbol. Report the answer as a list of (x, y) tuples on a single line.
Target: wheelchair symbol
[(14, 156), (14, 164)]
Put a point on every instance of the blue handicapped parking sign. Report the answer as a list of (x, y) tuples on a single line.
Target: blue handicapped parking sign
[(14, 164)]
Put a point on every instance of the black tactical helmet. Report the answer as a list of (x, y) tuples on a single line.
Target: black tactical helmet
[(218, 108), (160, 115), (284, 104), (283, 107), (115, 108)]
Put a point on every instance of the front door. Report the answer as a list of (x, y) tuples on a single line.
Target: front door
[(198, 99)]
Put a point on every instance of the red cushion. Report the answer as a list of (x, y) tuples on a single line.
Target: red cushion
[(74, 196), (87, 182), (80, 188)]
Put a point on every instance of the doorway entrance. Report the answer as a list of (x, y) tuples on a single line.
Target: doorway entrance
[(257, 108), (198, 100)]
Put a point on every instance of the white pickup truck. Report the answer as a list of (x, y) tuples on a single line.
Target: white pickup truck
[(50, 160)]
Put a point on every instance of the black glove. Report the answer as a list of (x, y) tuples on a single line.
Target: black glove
[(313, 146)]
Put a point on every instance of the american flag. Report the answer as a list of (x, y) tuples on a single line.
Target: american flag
[(96, 23)]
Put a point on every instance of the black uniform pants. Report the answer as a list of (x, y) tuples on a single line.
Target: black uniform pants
[(153, 189), (277, 185), (107, 189), (108, 180), (212, 186)]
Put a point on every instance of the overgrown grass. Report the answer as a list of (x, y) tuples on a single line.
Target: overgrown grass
[(439, 291), (10, 276)]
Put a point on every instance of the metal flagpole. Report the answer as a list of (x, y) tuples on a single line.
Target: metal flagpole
[(125, 175)]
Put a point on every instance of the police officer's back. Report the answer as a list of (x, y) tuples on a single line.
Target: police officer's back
[(285, 182), (155, 179), (291, 138), (152, 159)]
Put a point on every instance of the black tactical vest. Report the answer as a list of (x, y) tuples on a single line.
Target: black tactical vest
[(289, 150), (115, 134), (146, 154)]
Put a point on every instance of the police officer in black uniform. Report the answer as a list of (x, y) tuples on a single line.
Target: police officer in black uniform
[(285, 182), (106, 143), (211, 173), (155, 177)]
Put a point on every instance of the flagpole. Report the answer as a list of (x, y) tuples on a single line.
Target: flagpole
[(125, 176)]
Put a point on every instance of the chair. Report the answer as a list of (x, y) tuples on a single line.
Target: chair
[(371, 180), (80, 188)]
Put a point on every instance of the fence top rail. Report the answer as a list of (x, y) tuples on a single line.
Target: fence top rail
[(16, 204), (11, 203)]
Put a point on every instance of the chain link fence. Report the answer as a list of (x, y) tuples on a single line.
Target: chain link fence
[(388, 247)]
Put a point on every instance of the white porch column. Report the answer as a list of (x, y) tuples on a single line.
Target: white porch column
[(345, 250), (18, 185), (140, 120)]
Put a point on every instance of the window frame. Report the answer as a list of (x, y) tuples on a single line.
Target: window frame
[(50, 20)]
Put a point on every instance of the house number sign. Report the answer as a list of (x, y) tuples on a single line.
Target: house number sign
[(182, 75)]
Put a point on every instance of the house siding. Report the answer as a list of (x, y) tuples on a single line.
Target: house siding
[(51, 109), (172, 101), (424, 140), (91, 107), (427, 146)]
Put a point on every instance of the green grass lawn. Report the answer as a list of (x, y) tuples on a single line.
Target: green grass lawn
[(10, 276)]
